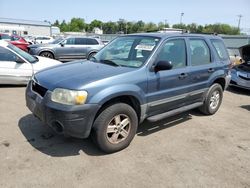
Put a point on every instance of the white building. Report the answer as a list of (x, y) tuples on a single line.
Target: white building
[(25, 27), (98, 31)]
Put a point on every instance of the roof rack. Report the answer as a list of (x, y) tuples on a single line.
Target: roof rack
[(207, 33), (173, 30)]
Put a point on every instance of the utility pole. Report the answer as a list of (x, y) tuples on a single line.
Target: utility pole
[(165, 23), (182, 14), (240, 16)]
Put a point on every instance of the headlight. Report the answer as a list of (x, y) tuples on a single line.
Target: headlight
[(70, 97)]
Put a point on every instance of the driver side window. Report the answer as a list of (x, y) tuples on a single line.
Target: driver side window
[(174, 51), (6, 55), (70, 41)]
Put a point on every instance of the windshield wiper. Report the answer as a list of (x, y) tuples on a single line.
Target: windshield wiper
[(109, 62)]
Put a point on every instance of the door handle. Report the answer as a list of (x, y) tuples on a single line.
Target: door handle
[(183, 76), (210, 70)]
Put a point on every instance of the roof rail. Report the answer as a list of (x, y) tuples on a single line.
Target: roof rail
[(207, 33)]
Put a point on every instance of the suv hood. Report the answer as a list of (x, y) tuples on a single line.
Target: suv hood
[(77, 74)]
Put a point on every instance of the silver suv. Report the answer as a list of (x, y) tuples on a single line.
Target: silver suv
[(68, 49)]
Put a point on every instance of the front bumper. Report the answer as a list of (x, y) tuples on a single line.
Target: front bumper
[(33, 51), (72, 120)]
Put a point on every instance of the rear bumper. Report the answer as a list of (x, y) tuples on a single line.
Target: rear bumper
[(70, 120), (239, 82), (228, 79)]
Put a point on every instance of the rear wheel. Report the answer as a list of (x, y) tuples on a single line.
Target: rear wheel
[(115, 127), (47, 54), (213, 100)]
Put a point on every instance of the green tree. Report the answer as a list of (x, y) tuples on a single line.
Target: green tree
[(95, 23), (77, 25), (110, 27)]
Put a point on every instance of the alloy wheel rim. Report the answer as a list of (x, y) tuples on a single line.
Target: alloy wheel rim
[(214, 100), (118, 128)]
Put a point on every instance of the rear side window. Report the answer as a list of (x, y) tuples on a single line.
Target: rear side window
[(200, 53), (91, 42), (220, 49), (80, 41)]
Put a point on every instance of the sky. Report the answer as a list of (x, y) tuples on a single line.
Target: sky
[(195, 11)]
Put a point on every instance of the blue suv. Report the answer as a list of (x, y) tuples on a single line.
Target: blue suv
[(135, 77)]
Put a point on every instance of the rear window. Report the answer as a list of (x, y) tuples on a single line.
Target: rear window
[(220, 49)]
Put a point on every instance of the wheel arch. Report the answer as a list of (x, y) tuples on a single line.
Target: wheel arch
[(131, 100), (221, 81), (46, 50)]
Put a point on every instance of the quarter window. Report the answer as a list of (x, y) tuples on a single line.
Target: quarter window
[(200, 54), (91, 42), (220, 49), (175, 52)]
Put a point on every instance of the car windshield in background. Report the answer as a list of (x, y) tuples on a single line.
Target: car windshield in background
[(129, 51), (22, 53), (56, 41)]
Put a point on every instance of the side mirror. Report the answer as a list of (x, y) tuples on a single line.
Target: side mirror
[(19, 60), (62, 44), (163, 65)]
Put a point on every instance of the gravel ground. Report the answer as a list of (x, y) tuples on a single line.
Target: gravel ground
[(189, 150)]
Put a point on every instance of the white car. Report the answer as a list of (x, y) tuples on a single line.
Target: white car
[(43, 40), (17, 66)]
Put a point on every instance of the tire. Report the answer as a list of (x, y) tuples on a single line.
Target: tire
[(47, 54), (115, 127), (91, 55), (213, 100)]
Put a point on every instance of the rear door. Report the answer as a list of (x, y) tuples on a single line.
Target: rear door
[(202, 66), (81, 48), (169, 89), (84, 46), (13, 69)]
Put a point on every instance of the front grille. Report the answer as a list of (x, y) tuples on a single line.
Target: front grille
[(242, 77), (39, 89)]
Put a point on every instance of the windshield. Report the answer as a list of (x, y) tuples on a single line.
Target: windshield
[(56, 41), (22, 53), (128, 51)]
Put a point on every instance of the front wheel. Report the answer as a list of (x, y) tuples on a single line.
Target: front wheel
[(47, 54), (115, 127), (213, 100)]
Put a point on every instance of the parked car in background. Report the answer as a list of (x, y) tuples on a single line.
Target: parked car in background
[(241, 75), (17, 66), (235, 56), (69, 49), (16, 40), (156, 76), (43, 40), (4, 36), (29, 39)]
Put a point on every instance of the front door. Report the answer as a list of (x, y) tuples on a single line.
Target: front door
[(13, 69), (169, 89), (67, 50)]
